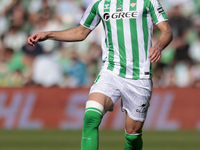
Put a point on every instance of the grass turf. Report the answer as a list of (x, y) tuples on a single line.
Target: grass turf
[(109, 140)]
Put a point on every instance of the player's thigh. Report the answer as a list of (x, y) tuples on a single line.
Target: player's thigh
[(132, 126), (102, 99), (135, 101), (105, 90), (136, 97)]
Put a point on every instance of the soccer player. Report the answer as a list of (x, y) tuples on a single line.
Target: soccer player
[(128, 55)]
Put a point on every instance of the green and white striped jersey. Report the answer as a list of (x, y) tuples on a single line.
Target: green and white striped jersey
[(128, 26)]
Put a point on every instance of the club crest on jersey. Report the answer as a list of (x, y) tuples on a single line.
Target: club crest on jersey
[(133, 4), (119, 8), (120, 15)]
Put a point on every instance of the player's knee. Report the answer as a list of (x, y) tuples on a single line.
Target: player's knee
[(93, 114), (133, 130), (133, 127)]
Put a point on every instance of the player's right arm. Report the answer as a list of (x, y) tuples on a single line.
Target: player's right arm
[(88, 22), (70, 35)]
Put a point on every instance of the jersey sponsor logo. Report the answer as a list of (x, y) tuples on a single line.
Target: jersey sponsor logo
[(120, 15), (133, 4), (143, 109), (160, 10), (106, 16), (107, 6)]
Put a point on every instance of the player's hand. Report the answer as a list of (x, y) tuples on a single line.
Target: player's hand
[(154, 55), (37, 37)]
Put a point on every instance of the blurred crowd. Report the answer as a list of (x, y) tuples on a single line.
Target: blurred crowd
[(54, 63)]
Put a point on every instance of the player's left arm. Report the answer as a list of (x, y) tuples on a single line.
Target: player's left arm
[(164, 40)]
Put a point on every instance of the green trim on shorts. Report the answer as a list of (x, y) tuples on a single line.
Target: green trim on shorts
[(97, 79)]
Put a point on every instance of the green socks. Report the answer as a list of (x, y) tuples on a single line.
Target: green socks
[(90, 132), (133, 142)]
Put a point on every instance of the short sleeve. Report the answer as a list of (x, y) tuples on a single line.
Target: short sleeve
[(157, 12), (91, 17)]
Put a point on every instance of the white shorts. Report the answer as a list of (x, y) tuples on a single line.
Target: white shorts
[(135, 94)]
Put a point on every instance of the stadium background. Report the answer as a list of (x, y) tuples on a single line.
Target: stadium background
[(44, 89)]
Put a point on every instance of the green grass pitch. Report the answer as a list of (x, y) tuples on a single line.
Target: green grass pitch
[(109, 140)]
